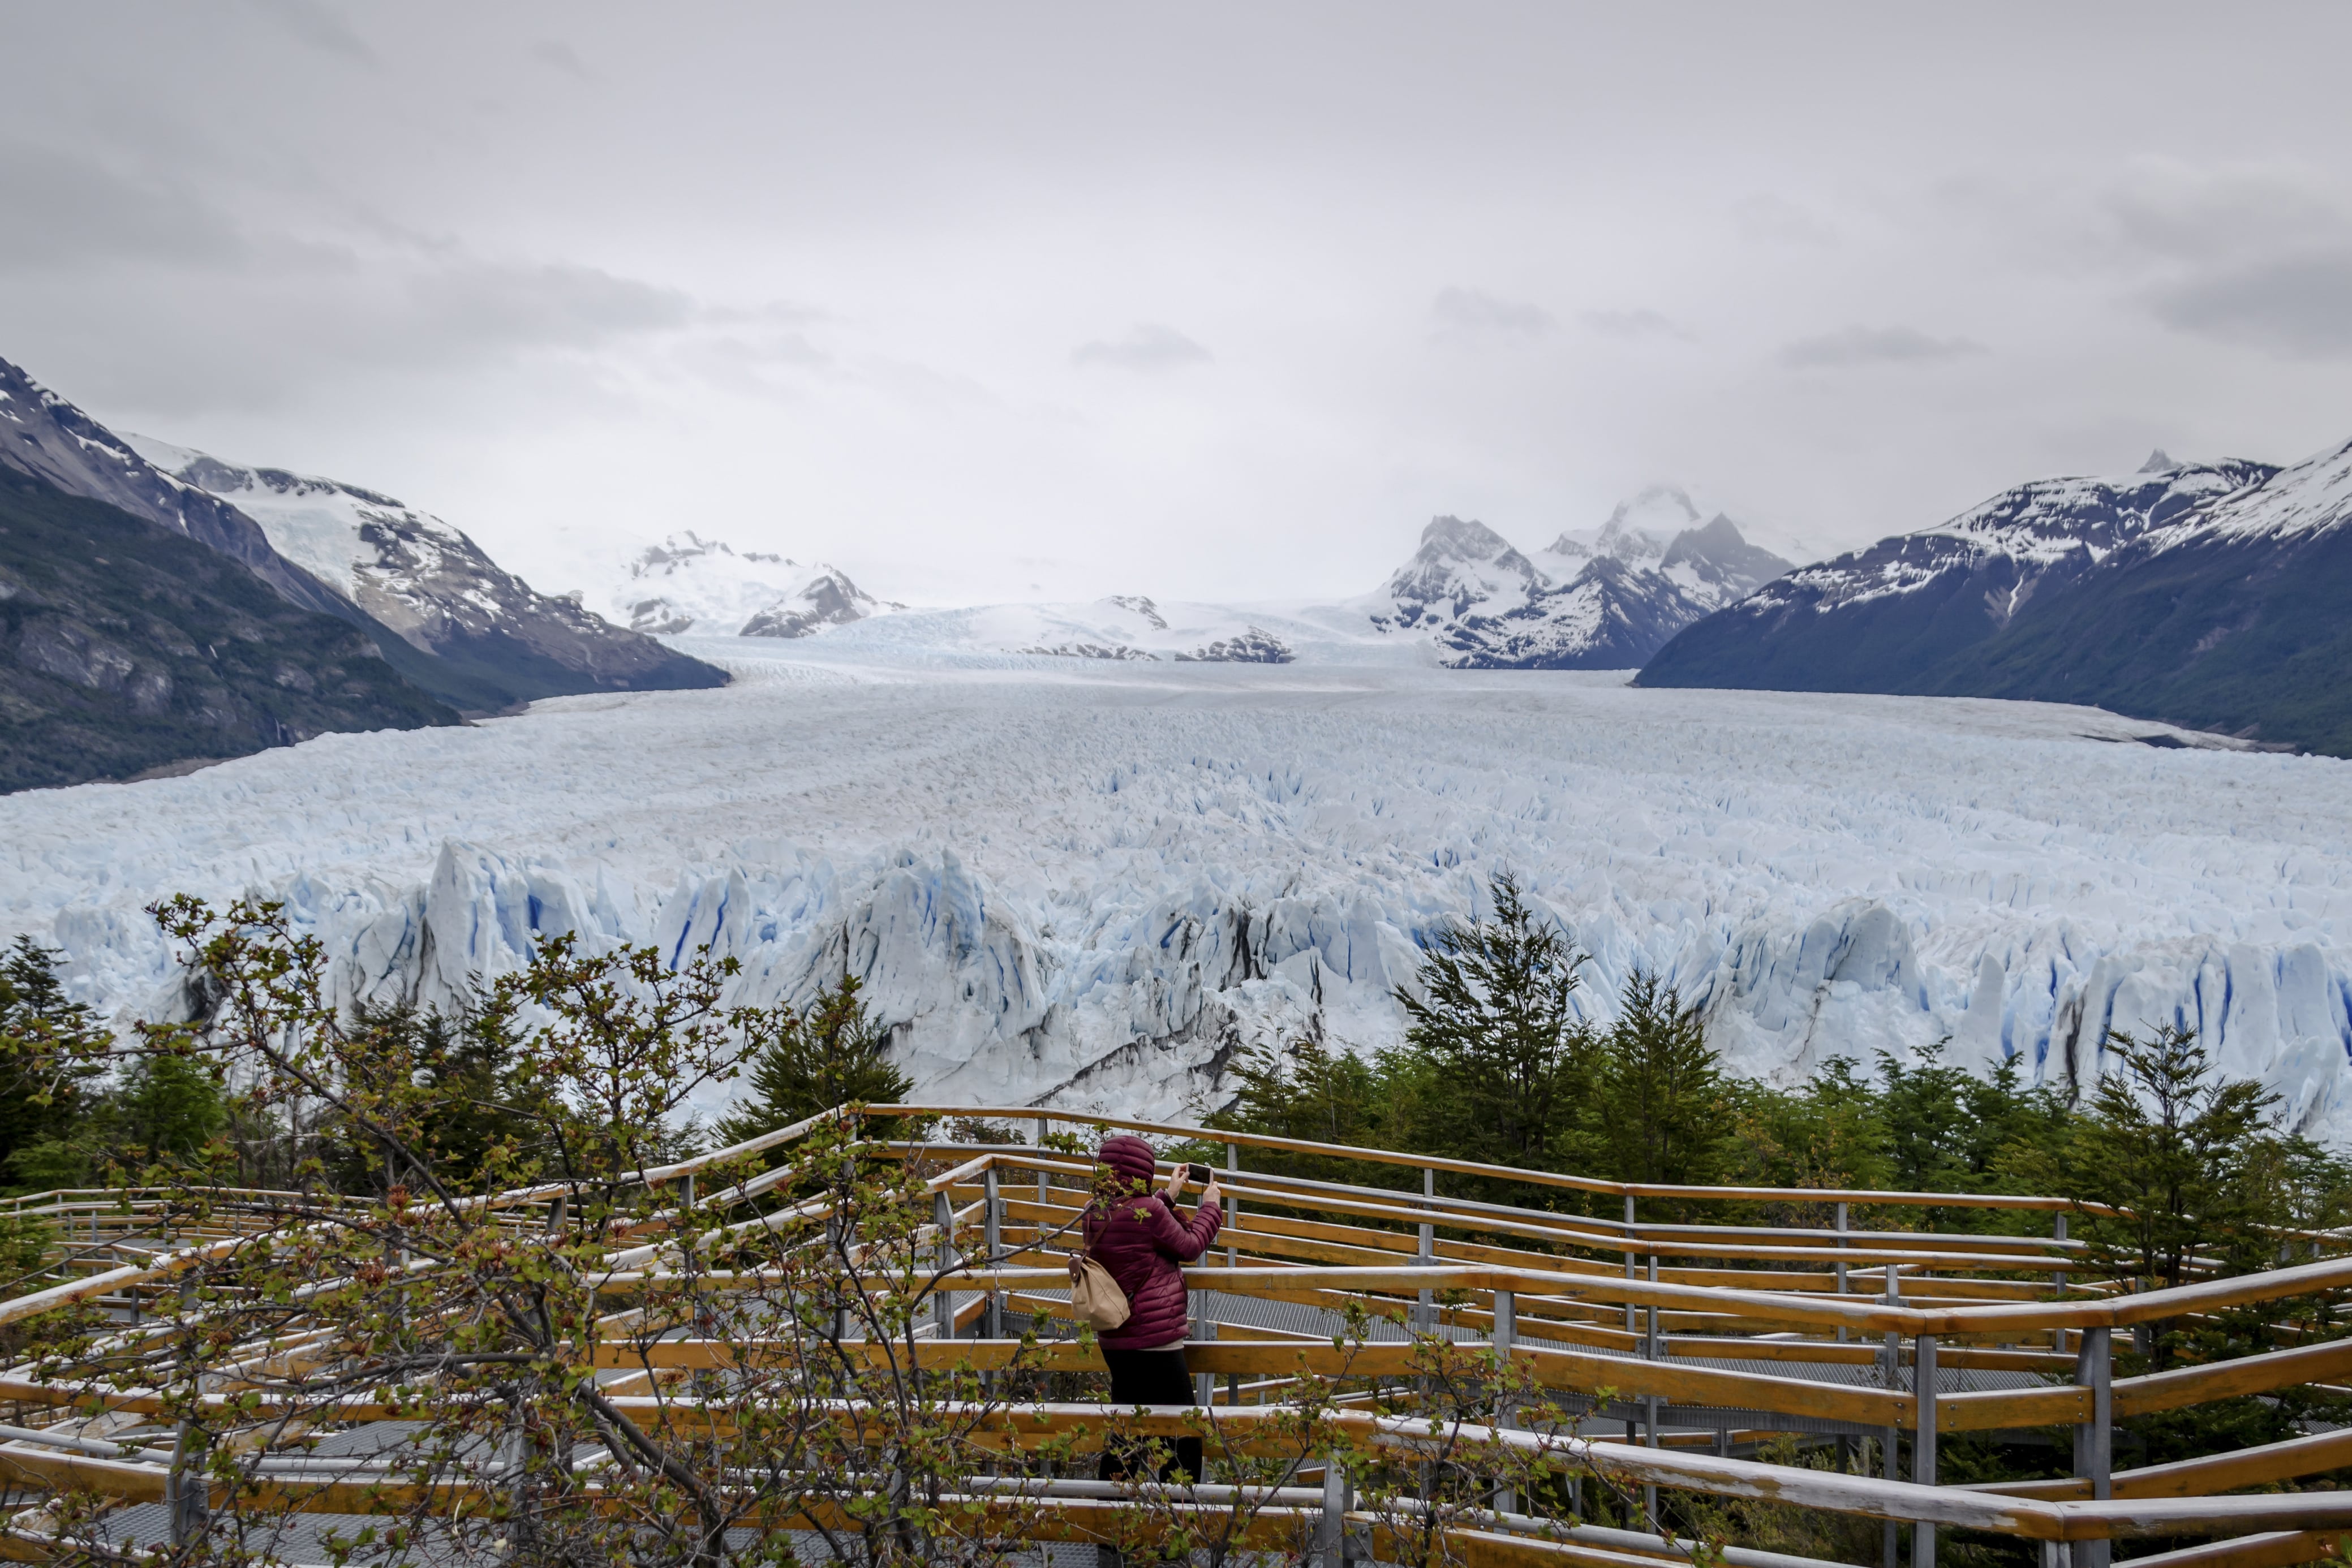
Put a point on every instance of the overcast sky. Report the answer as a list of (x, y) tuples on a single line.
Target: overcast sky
[(1213, 301)]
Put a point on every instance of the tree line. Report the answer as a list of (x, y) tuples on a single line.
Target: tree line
[(1496, 1065), (82, 1108)]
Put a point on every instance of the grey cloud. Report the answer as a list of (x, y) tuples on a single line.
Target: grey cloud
[(2204, 213), (297, 329), (555, 305), (72, 211), (1850, 347), (770, 366), (2297, 307), (1631, 324), (1474, 312), (312, 23), (1145, 348), (1779, 221), (560, 56)]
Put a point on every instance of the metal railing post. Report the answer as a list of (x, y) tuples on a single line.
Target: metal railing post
[(1232, 1207), (1923, 1443), (1232, 1256), (1331, 1531), (1428, 1253), (1890, 1545), (1651, 1350), (187, 1488), (1842, 1287), (1633, 1322), (1045, 1178), (1505, 1334), (943, 1255), (2095, 1439), (1631, 1325), (994, 1322), (2058, 1282), (1204, 1329)]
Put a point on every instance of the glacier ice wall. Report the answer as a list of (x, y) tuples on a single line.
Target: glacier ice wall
[(1091, 886)]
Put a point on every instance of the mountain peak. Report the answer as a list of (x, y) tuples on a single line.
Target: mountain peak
[(688, 581), (1660, 510), (1462, 539), (2158, 461), (1720, 556), (1637, 531)]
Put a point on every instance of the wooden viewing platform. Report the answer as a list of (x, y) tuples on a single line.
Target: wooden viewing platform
[(1785, 1363)]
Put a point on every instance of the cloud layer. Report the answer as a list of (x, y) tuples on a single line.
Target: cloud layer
[(1226, 301)]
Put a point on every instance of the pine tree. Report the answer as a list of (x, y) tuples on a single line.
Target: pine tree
[(49, 1048), (1493, 1023), (2188, 1158), (831, 1054), (1663, 1113)]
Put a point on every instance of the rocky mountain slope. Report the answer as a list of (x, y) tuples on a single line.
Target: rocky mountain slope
[(44, 436), (2208, 594), (492, 640), (1888, 617), (127, 646), (1602, 600), (689, 583), (2230, 618)]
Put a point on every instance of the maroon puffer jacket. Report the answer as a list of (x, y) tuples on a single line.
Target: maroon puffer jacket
[(1142, 1244)]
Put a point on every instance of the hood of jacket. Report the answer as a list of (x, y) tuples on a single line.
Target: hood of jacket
[(1131, 1158)]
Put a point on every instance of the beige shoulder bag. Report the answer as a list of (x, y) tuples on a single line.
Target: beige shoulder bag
[(1096, 1298)]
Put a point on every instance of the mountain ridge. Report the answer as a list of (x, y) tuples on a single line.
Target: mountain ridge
[(1610, 599), (2203, 594), (492, 641), (127, 646)]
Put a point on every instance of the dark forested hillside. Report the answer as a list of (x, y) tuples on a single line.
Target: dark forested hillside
[(124, 647)]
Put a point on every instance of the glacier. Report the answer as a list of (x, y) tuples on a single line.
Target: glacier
[(1088, 883)]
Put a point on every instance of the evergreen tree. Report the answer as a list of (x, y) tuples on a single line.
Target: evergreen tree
[(45, 1046), (803, 1062), (2188, 1157), (1949, 1130), (1316, 1095), (1829, 1132), (1661, 1107), (1491, 1019), (168, 1107), (463, 1063)]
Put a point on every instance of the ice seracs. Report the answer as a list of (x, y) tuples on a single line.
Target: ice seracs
[(688, 583), (1090, 883)]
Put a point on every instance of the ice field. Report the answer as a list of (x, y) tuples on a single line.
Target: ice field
[(1089, 881)]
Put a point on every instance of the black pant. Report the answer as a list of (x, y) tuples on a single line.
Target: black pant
[(1149, 1377)]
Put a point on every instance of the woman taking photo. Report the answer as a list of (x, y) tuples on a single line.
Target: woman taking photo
[(1143, 1243)]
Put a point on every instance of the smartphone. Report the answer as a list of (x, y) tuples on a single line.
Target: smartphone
[(1201, 1176)]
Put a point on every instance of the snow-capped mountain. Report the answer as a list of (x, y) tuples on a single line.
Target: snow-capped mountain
[(1604, 600), (1463, 571), (497, 641), (689, 583), (127, 646), (48, 438), (2230, 618), (2208, 594), (1636, 533)]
